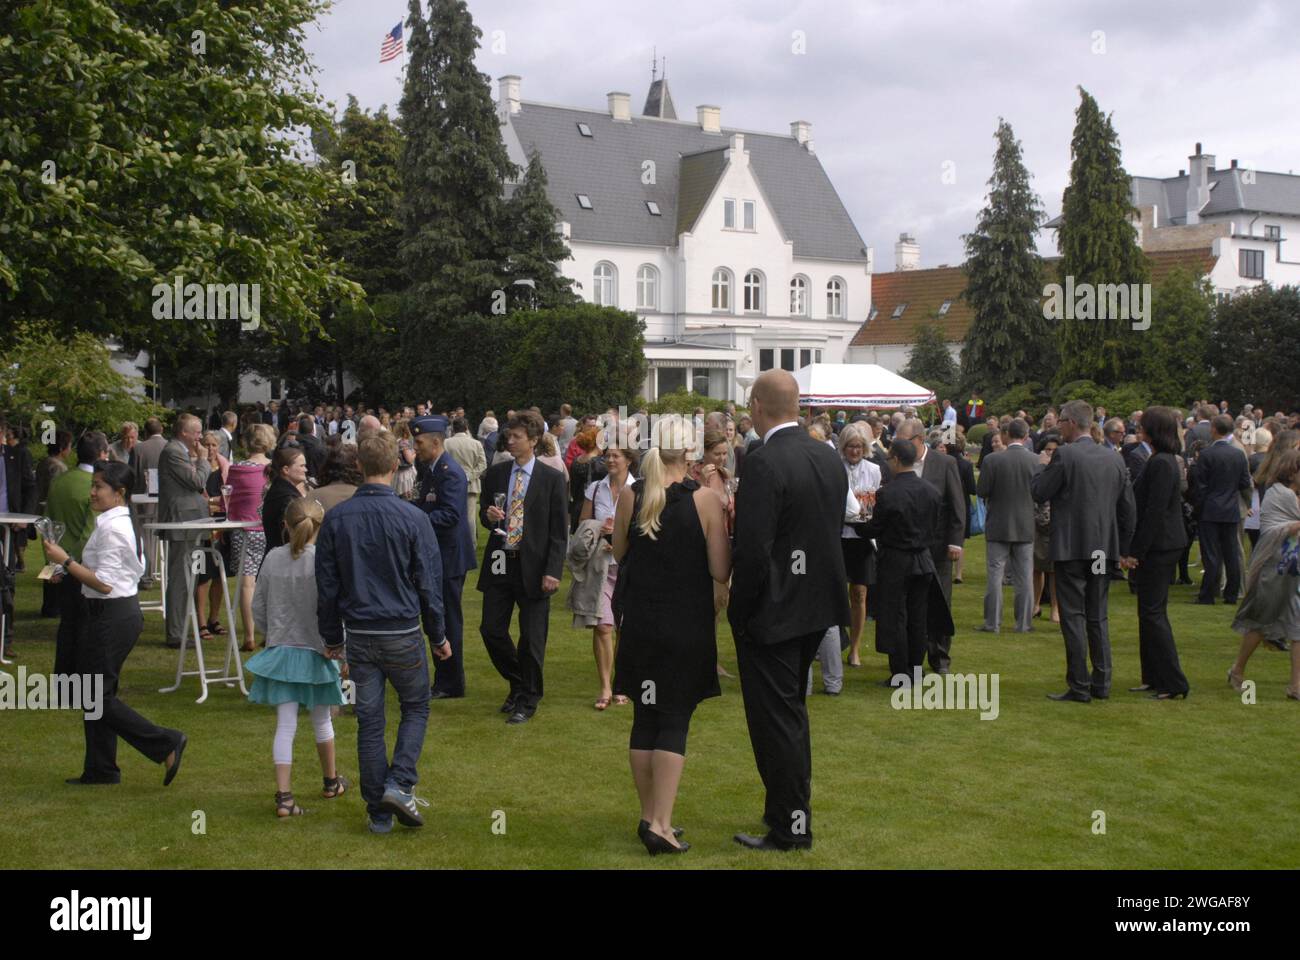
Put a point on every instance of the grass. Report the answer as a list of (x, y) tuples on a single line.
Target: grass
[(1207, 782)]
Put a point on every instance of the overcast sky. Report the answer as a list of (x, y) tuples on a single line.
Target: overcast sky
[(896, 90)]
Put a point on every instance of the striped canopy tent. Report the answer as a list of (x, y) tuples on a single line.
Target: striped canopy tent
[(858, 385)]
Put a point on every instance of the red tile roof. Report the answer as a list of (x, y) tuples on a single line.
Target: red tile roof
[(924, 291)]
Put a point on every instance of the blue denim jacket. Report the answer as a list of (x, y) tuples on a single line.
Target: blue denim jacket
[(378, 568)]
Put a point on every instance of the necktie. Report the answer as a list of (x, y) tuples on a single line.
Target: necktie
[(515, 524)]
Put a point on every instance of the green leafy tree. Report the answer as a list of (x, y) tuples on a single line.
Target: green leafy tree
[(68, 381), (536, 249), (1008, 341), (146, 141), (1173, 353), (1098, 247), (454, 168), (1253, 346), (930, 362)]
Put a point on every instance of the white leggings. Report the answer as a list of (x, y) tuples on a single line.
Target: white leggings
[(286, 725)]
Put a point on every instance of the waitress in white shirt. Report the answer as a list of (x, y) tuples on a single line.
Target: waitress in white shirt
[(859, 552), (111, 623)]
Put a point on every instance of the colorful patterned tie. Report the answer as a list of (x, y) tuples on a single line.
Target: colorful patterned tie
[(515, 523)]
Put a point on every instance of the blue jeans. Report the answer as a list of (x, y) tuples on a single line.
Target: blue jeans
[(400, 659)]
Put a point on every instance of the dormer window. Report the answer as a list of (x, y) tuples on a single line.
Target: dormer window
[(872, 315), (653, 208), (943, 307), (584, 130), (584, 201)]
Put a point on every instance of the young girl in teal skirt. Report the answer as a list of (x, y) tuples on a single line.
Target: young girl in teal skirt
[(293, 669)]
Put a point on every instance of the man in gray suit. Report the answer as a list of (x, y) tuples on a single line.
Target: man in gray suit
[(1009, 530), (940, 471), (182, 495), (226, 435), (1200, 430), (1093, 517)]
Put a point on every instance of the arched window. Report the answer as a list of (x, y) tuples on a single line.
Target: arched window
[(799, 297), (835, 299), (753, 292), (647, 288), (604, 289), (722, 289)]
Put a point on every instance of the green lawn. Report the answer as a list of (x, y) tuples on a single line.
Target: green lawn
[(1208, 782)]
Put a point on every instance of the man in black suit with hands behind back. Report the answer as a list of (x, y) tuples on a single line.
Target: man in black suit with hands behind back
[(523, 562), (787, 588), (1220, 479)]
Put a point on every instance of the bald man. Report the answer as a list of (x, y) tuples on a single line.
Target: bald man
[(182, 495), (787, 589)]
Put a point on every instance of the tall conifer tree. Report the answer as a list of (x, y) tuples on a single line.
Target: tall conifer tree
[(1008, 342)]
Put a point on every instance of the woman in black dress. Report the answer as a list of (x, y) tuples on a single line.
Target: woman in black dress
[(670, 540), (288, 482), (1158, 542)]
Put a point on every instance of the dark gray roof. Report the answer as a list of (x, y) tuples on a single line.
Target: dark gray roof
[(608, 168), (699, 175), (1276, 193), (659, 102)]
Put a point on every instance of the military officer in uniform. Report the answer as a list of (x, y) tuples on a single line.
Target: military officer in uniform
[(442, 493)]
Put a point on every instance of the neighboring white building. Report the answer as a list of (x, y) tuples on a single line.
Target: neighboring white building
[(733, 246)]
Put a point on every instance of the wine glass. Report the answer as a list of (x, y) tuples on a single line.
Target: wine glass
[(499, 501), (226, 491)]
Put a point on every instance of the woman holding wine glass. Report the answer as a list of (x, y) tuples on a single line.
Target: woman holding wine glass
[(859, 552), (211, 591), (599, 503)]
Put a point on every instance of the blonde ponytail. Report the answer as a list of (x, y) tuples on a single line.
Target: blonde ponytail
[(303, 519), (653, 496)]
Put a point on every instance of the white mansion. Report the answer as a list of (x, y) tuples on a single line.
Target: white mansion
[(733, 246)]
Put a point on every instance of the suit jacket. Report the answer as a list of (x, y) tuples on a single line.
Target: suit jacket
[(441, 493), (1136, 456), (1004, 485), (788, 575), (469, 453), (1092, 502), (20, 480), (1200, 431), (1219, 478), (1159, 507), (546, 527), (223, 443), (940, 471), (182, 488), (147, 454)]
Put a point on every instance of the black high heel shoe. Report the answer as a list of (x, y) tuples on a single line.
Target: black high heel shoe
[(656, 844), (1170, 696), (643, 827)]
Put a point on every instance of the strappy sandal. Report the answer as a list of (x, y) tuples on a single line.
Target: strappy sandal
[(216, 629), (334, 787), (603, 703), (285, 806), (205, 634), (620, 700)]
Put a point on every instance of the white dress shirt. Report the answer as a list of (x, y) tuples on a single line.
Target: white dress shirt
[(780, 426), (111, 554)]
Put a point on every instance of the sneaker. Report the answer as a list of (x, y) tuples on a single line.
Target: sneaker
[(379, 826), (405, 806)]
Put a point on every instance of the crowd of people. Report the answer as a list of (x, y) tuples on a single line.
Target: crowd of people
[(804, 526)]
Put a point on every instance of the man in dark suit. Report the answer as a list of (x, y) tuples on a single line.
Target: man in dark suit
[(1093, 516), (313, 448), (17, 495), (443, 495), (1200, 430), (787, 588), (986, 442), (145, 476), (523, 562), (183, 471), (1136, 456), (1009, 528), (940, 471), (1219, 479)]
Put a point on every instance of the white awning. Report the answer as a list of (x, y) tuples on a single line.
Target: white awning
[(857, 385)]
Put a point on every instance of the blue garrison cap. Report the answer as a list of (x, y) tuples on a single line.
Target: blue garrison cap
[(433, 424)]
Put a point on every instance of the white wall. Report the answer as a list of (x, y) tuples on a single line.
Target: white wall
[(1226, 275)]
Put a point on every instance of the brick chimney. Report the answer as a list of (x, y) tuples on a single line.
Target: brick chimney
[(710, 118), (620, 106), (907, 253), (509, 98), (1198, 189)]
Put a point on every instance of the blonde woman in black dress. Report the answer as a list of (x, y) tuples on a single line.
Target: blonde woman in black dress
[(670, 539)]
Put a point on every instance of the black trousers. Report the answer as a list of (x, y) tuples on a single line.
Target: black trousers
[(940, 646), (1083, 597), (773, 679), (520, 666), (1220, 547), (109, 631), (901, 621), (72, 611), (449, 674), (1160, 667)]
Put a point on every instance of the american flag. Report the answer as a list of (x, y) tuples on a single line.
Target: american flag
[(392, 44)]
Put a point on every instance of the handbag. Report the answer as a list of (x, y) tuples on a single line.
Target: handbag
[(1289, 565), (977, 516)]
